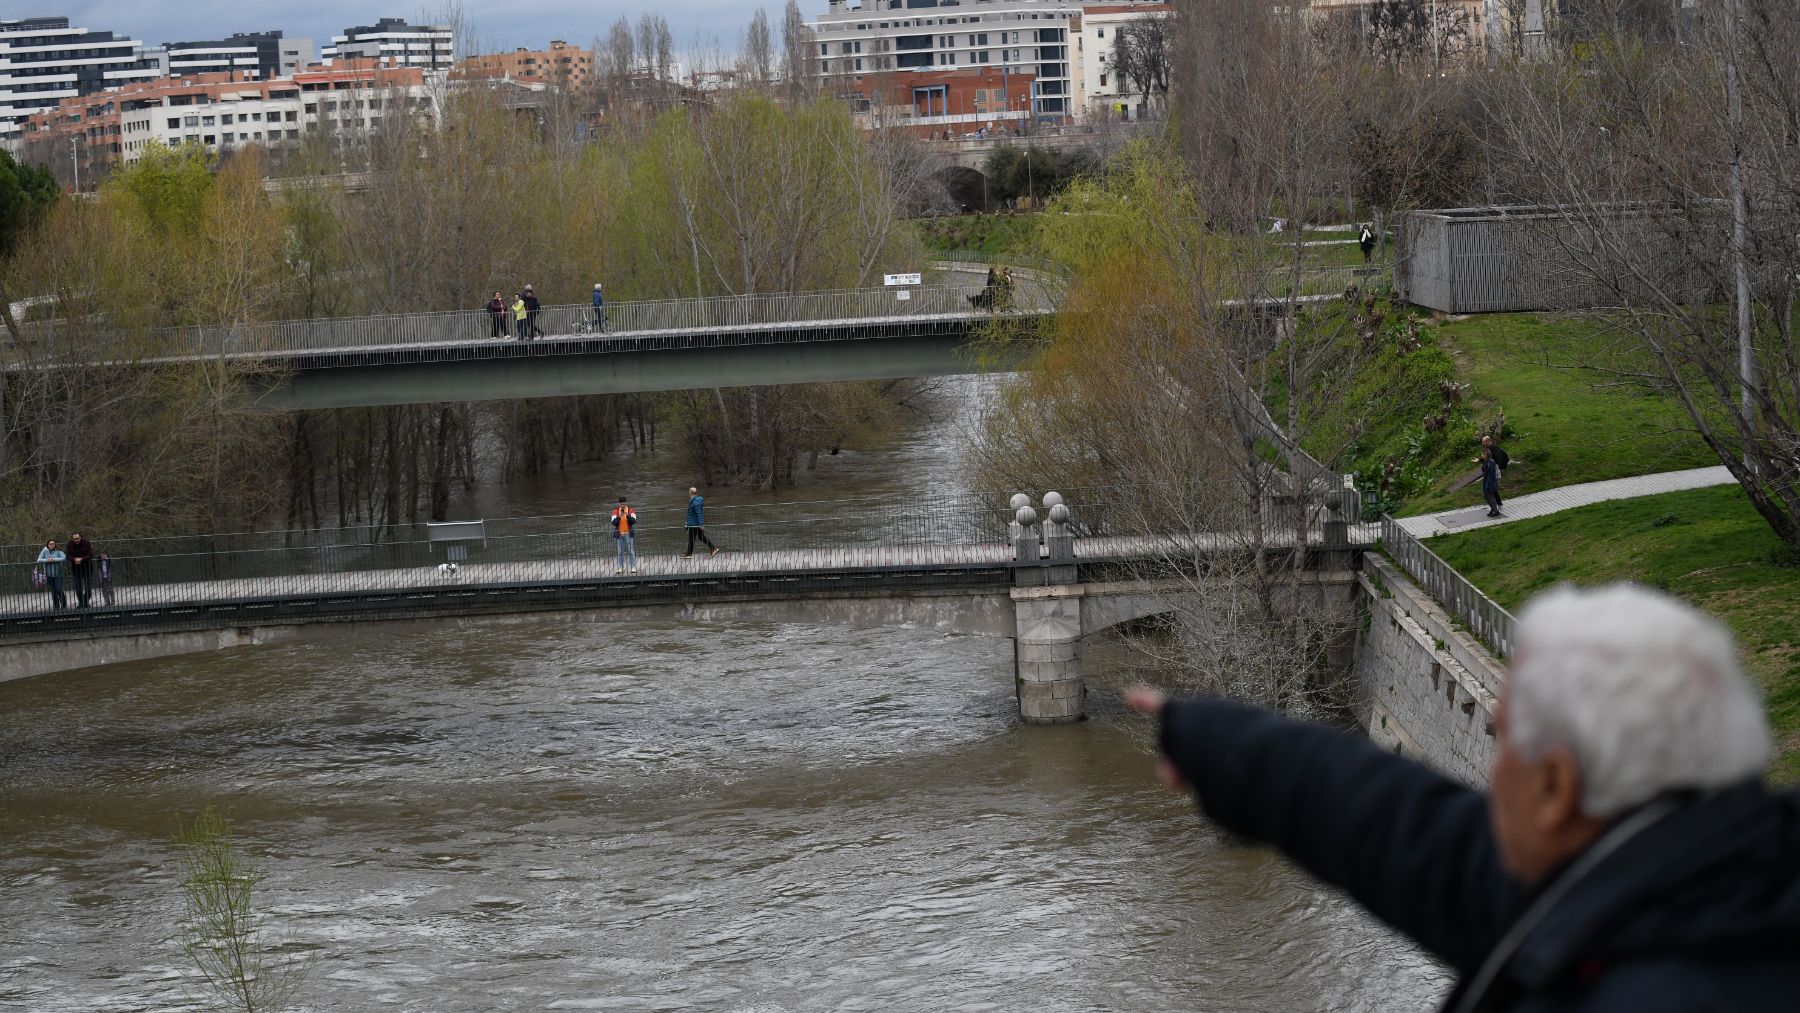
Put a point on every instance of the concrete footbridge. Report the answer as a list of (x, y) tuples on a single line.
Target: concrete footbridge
[(1043, 575), (907, 329)]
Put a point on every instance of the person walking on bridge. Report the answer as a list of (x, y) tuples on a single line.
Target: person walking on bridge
[(531, 312), (81, 569), (50, 563), (520, 332), (696, 524), (624, 525), (599, 309), (496, 310), (1626, 854)]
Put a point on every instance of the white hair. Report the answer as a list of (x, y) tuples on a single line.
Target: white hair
[(1645, 690)]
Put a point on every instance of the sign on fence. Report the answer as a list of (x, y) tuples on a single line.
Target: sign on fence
[(902, 279)]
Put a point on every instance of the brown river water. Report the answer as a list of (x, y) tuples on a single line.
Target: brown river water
[(648, 816)]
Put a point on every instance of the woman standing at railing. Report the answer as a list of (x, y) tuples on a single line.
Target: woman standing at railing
[(50, 564), (496, 309)]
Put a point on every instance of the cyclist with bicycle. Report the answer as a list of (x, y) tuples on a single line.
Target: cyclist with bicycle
[(599, 309)]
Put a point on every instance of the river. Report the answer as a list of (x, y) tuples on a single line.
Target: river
[(648, 816)]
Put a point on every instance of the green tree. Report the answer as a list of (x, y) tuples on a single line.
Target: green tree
[(26, 193), (223, 934)]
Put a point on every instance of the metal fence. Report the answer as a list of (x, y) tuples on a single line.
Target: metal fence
[(622, 320), (1483, 616)]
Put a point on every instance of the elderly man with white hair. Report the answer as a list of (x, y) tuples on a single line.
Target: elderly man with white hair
[(1625, 857)]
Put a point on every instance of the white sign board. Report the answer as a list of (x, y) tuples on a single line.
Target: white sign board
[(902, 295), (902, 279)]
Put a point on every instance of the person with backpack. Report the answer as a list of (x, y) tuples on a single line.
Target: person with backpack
[(520, 332), (599, 309), (1501, 459), (696, 524), (50, 563), (624, 525), (496, 310), (1490, 482)]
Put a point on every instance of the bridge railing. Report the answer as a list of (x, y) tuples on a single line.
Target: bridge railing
[(630, 318), (1481, 615)]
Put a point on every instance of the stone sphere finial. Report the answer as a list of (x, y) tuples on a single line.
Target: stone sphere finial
[(1059, 513), (1019, 499), (1052, 499), (1027, 516)]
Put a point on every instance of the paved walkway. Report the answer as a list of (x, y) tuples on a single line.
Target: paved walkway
[(1568, 497)]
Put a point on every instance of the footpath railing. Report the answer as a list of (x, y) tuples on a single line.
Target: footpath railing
[(851, 307), (959, 530), (1483, 616)]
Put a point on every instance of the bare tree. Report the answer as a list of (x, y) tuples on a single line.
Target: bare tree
[(799, 54), (1141, 56), (1674, 196), (759, 51)]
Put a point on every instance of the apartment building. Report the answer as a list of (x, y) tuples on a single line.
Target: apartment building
[(563, 66), (43, 61), (1101, 92), (1027, 38), (223, 112), (251, 55), (427, 47)]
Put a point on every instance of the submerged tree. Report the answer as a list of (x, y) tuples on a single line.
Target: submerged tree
[(225, 937)]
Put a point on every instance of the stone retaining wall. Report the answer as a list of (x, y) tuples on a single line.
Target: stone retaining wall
[(1428, 689)]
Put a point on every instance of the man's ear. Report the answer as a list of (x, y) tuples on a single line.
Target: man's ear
[(1557, 794)]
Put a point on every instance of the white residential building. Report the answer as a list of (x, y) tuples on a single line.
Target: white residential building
[(1100, 91), (392, 40), (1025, 37), (44, 60)]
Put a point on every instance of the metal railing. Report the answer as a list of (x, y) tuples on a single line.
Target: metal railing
[(809, 313), (1481, 615), (971, 530)]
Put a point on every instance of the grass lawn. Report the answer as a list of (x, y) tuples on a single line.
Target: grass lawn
[(981, 233), (1707, 546), (1564, 426)]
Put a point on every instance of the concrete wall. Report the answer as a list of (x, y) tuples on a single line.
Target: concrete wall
[(1428, 690)]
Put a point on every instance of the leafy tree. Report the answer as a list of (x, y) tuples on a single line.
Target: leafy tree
[(26, 192)]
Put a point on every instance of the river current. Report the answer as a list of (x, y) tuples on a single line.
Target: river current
[(541, 815)]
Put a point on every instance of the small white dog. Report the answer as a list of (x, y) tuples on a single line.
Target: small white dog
[(447, 569)]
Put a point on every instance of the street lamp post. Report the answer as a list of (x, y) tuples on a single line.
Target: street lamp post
[(75, 164)]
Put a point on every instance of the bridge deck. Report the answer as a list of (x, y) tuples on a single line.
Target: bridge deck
[(30, 614)]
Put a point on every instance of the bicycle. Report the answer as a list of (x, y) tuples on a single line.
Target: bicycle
[(592, 326)]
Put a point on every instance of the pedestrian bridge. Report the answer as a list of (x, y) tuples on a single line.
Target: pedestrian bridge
[(670, 344), (972, 567)]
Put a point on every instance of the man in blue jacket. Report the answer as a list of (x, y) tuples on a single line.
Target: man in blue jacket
[(599, 309), (1625, 857), (696, 524)]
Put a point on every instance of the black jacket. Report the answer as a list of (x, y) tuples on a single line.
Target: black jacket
[(1699, 912), (80, 553), (1490, 476)]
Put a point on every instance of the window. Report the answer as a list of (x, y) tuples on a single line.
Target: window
[(190, 121), (174, 122), (1103, 80), (1099, 33), (256, 117), (290, 116), (228, 135)]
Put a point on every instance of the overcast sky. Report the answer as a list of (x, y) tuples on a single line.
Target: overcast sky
[(698, 25)]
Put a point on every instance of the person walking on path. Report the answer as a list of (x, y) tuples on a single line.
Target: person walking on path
[(81, 568), (1625, 856), (520, 333), (531, 312), (624, 525), (1366, 240), (50, 564), (696, 524), (496, 310), (599, 309), (103, 567), (1501, 459), (1490, 482)]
